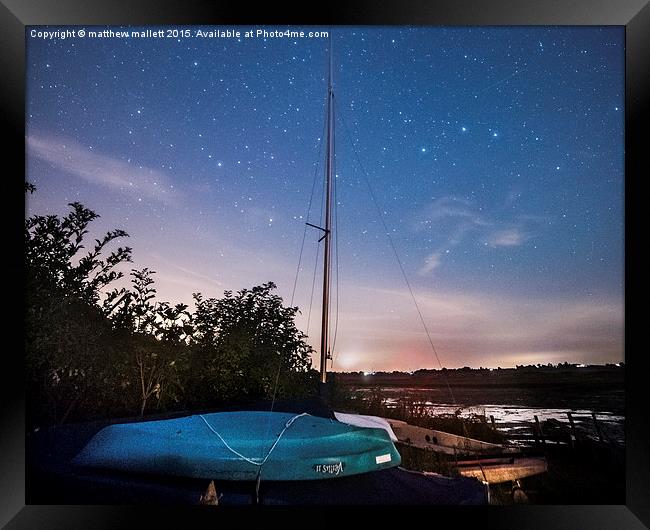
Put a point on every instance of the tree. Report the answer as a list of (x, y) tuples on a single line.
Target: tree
[(159, 333), (68, 349), (52, 246), (247, 344), (94, 352)]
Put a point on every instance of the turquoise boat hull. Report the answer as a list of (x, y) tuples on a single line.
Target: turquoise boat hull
[(241, 446)]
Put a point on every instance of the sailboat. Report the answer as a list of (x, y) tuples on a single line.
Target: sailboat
[(253, 445)]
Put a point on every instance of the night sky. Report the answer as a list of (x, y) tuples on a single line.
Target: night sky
[(495, 153)]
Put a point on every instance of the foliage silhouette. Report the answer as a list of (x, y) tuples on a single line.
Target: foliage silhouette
[(94, 350)]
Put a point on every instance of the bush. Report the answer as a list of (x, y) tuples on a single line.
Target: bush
[(92, 355)]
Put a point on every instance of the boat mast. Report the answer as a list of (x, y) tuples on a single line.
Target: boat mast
[(328, 220)]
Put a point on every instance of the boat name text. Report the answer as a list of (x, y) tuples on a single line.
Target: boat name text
[(330, 469)]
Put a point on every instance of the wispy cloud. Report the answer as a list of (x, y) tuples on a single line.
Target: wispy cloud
[(454, 220), (448, 208), (431, 262), (185, 272), (511, 237), (89, 164)]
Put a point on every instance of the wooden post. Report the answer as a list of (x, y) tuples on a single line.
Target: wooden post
[(573, 429), (600, 434), (539, 430), (210, 496)]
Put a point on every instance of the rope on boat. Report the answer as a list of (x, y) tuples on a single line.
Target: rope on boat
[(250, 460)]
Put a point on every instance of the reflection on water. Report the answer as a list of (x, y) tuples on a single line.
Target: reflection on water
[(509, 418)]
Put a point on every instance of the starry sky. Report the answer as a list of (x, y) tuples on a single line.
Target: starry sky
[(495, 156)]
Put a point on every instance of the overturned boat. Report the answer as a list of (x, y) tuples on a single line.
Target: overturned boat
[(243, 445)]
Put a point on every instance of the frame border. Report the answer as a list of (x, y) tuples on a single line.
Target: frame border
[(633, 14)]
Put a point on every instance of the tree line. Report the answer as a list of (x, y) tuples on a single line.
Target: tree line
[(94, 350)]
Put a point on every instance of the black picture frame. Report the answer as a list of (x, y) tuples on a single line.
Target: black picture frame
[(633, 14)]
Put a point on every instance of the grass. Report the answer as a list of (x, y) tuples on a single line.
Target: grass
[(416, 413)]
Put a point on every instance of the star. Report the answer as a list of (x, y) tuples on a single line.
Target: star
[(492, 206)]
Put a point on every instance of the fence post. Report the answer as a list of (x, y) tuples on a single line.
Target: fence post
[(539, 430), (600, 434), (573, 429)]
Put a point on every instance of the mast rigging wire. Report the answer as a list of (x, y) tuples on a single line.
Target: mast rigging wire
[(313, 285), (394, 248), (336, 254), (311, 197), (302, 245)]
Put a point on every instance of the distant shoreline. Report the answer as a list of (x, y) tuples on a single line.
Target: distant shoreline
[(528, 374), (594, 388)]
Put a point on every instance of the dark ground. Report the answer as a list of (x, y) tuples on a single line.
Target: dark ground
[(587, 473)]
